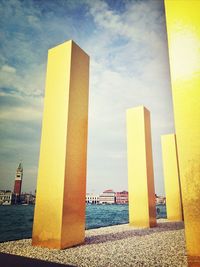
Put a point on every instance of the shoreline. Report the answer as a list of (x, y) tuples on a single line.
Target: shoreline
[(119, 245)]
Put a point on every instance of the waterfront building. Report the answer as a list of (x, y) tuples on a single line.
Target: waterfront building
[(18, 183), (27, 198), (5, 197), (92, 199), (107, 197), (160, 200), (121, 197)]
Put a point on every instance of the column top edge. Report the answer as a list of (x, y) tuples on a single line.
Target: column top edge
[(137, 108), (168, 135), (68, 42)]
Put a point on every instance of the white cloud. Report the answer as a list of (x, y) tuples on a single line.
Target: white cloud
[(129, 67), (8, 69), (16, 114), (30, 82)]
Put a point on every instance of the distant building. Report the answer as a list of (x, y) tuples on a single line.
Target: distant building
[(5, 197), (107, 197), (121, 197), (27, 198), (160, 200), (18, 183), (92, 199)]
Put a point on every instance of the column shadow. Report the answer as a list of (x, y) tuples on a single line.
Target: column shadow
[(161, 227)]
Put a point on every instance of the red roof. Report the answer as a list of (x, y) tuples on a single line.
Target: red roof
[(108, 190)]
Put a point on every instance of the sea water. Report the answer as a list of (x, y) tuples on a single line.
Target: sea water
[(16, 221)]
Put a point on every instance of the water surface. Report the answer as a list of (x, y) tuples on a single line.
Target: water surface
[(16, 221)]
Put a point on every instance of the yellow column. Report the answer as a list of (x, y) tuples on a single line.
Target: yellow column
[(183, 29), (171, 178), (142, 209), (59, 218)]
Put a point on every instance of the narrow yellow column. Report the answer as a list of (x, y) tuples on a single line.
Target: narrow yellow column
[(142, 209), (171, 178), (183, 29), (59, 217)]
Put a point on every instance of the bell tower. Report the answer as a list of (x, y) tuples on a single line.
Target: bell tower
[(18, 182)]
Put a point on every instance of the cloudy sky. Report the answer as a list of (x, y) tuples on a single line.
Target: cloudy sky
[(127, 44)]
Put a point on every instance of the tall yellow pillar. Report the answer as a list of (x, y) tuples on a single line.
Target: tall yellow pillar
[(142, 209), (183, 29), (59, 218), (171, 178)]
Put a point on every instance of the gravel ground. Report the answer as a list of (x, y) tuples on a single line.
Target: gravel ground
[(120, 245)]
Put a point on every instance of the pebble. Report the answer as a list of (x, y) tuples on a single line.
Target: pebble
[(113, 246)]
